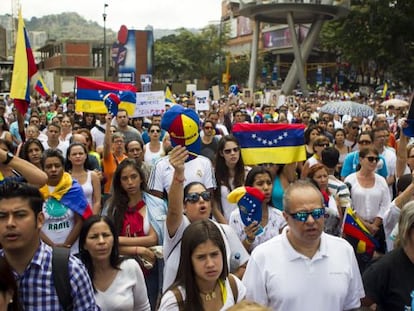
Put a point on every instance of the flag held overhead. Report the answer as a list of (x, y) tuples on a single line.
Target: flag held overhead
[(24, 69), (270, 143), (90, 95)]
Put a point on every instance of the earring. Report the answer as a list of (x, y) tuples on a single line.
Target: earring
[(11, 301)]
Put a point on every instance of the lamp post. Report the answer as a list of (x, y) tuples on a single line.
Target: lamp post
[(104, 47)]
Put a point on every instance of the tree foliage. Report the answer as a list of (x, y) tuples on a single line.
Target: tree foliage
[(190, 55), (376, 38)]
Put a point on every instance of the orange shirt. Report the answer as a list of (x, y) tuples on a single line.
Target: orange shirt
[(109, 166)]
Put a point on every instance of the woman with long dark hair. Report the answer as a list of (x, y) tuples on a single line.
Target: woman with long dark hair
[(118, 283), (203, 281), (138, 218), (230, 173)]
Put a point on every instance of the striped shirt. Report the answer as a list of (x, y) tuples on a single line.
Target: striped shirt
[(36, 288)]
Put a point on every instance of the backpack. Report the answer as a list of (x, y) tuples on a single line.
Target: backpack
[(233, 285), (61, 280)]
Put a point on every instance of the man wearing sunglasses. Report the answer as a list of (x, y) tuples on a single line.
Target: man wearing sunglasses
[(304, 268)]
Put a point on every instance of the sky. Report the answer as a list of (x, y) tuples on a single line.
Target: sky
[(135, 14)]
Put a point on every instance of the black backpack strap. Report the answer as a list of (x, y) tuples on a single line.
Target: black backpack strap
[(61, 280)]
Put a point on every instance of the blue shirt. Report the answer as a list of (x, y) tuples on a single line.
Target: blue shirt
[(352, 160), (36, 288)]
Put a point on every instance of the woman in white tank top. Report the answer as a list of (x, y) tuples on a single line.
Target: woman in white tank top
[(153, 150), (89, 180)]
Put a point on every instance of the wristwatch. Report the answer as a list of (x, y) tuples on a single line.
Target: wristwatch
[(9, 157)]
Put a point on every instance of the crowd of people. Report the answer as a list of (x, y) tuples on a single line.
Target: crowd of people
[(147, 227)]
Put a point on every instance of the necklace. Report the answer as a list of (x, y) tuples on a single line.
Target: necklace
[(209, 295)]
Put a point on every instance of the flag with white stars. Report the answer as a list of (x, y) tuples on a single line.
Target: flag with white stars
[(270, 143), (90, 95)]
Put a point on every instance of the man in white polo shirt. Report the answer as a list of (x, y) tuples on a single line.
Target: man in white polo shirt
[(304, 268)]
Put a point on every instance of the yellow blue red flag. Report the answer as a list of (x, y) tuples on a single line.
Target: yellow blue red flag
[(41, 87), (24, 68), (169, 98), (90, 95), (270, 142), (357, 234)]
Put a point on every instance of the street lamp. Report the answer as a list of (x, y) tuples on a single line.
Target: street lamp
[(104, 47)]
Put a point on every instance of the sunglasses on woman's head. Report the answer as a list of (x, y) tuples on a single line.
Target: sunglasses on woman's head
[(194, 197)]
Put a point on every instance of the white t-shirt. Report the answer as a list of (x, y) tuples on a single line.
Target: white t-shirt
[(275, 223), (198, 169), (127, 291), (372, 202), (59, 223), (283, 279), (236, 253), (169, 302)]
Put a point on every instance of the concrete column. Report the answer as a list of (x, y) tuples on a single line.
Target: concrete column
[(298, 56), (306, 48), (253, 56)]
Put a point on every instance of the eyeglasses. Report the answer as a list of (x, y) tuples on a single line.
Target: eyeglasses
[(303, 216), (155, 131), (323, 145), (372, 159), (195, 197), (228, 151), (364, 142)]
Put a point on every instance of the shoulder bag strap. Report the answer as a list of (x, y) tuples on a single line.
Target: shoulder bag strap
[(61, 280)]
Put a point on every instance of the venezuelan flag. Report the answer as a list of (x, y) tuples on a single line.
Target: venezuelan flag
[(270, 143), (90, 93), (169, 98), (356, 233), (41, 87), (24, 69), (75, 198)]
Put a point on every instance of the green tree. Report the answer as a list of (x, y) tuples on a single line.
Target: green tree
[(189, 55), (376, 38)]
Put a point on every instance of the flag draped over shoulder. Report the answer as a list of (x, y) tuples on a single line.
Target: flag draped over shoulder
[(357, 234), (169, 98), (270, 143), (24, 69), (41, 87), (69, 193), (90, 95)]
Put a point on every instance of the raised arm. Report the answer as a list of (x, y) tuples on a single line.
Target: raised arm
[(401, 151), (108, 137), (176, 194), (30, 172)]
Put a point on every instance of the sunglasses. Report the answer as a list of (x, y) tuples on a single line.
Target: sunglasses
[(155, 131), (364, 142), (208, 128), (323, 145), (194, 197), (228, 151), (355, 127), (303, 216), (372, 159)]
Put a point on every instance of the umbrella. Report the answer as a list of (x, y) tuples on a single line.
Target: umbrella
[(395, 102), (350, 108)]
